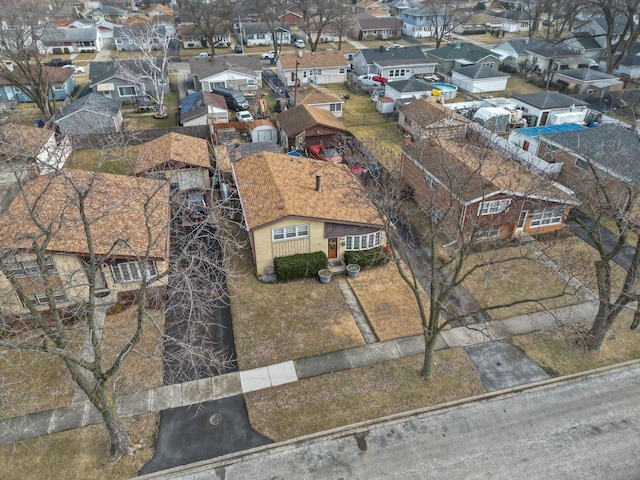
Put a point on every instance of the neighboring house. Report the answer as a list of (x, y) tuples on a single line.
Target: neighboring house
[(107, 12), (190, 35), (61, 79), (367, 27), (26, 151), (630, 65), (479, 79), (159, 10), (304, 126), (321, 98), (514, 52), (258, 33), (407, 89), (516, 21), (298, 205), (498, 201), (393, 63), (93, 114), (123, 80), (181, 160), (426, 118), (477, 23), (584, 44), (104, 27), (582, 80), (128, 38), (332, 31), (71, 40), (551, 108), (462, 54), (530, 139), (239, 72), (292, 15), (597, 27), (118, 207), (318, 68), (610, 151), (547, 56), (372, 7), (203, 108), (424, 22)]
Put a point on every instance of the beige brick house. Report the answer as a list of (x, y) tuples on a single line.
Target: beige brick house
[(297, 205)]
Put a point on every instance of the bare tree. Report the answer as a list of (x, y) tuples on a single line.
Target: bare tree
[(149, 68), (562, 17), (23, 25), (212, 19), (443, 18), (441, 259), (75, 241), (317, 14), (622, 28)]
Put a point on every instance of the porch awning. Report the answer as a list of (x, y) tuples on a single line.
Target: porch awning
[(106, 87), (340, 230)]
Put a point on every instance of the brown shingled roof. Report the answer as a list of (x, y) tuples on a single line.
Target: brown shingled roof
[(172, 148), (426, 112), (301, 117), (274, 186), (312, 60), (472, 172), (312, 95), (115, 208), (22, 140)]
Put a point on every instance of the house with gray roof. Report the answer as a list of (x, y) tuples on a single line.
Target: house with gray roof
[(551, 108), (238, 72), (258, 33), (479, 78), (597, 28), (549, 56), (203, 108), (581, 80), (127, 38), (407, 90), (71, 40), (461, 54), (513, 52), (585, 44), (424, 22), (93, 114), (393, 63), (123, 80), (630, 65), (364, 26), (106, 12), (610, 151)]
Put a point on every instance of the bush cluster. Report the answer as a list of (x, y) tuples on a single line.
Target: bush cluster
[(300, 265), (367, 258)]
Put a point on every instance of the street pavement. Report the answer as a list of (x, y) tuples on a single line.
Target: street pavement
[(580, 428)]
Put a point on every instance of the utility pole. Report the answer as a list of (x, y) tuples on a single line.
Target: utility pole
[(295, 86)]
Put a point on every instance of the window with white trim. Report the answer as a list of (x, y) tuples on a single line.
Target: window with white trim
[(127, 91), (548, 216), (362, 242), (40, 298), (342, 70), (487, 233), (335, 107), (289, 233), (133, 271), (27, 268), (494, 206)]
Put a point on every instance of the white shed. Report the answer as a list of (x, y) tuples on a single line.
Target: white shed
[(479, 78), (263, 131)]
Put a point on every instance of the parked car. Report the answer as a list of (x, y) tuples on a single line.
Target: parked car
[(202, 55), (299, 43), (222, 44), (270, 55), (320, 152), (235, 100), (58, 62), (196, 208), (372, 80), (238, 48), (75, 68), (244, 116), (143, 104)]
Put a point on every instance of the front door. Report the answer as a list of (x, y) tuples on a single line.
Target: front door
[(333, 248), (522, 219)]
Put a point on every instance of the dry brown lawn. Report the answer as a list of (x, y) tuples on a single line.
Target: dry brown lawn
[(384, 141), (518, 85), (279, 322), (80, 453), (113, 160), (388, 302), (350, 396), (511, 275), (562, 352), (34, 382)]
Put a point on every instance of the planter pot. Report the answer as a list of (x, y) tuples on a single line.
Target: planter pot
[(324, 275), (353, 269)]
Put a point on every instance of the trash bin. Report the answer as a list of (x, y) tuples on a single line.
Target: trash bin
[(351, 56)]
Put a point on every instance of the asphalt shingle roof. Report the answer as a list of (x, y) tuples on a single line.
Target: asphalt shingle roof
[(302, 117), (461, 50), (173, 150), (411, 85), (206, 67), (547, 100), (479, 71), (399, 56)]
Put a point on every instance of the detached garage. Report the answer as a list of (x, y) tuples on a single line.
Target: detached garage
[(263, 131), (479, 78)]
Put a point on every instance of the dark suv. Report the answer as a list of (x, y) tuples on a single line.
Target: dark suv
[(144, 104)]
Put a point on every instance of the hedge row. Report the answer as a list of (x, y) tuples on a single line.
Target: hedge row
[(367, 258), (299, 266)]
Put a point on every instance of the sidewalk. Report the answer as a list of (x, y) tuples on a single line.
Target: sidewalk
[(190, 393)]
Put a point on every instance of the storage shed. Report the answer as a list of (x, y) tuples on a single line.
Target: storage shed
[(263, 131)]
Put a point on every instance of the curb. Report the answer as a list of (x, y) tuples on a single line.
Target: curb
[(222, 461)]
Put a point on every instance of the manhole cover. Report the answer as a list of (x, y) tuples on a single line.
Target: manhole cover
[(215, 419)]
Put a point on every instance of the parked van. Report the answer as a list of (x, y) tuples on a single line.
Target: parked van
[(236, 101)]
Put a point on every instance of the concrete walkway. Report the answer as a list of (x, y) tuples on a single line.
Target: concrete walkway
[(190, 393)]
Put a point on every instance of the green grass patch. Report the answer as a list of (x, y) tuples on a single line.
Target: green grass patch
[(118, 160)]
